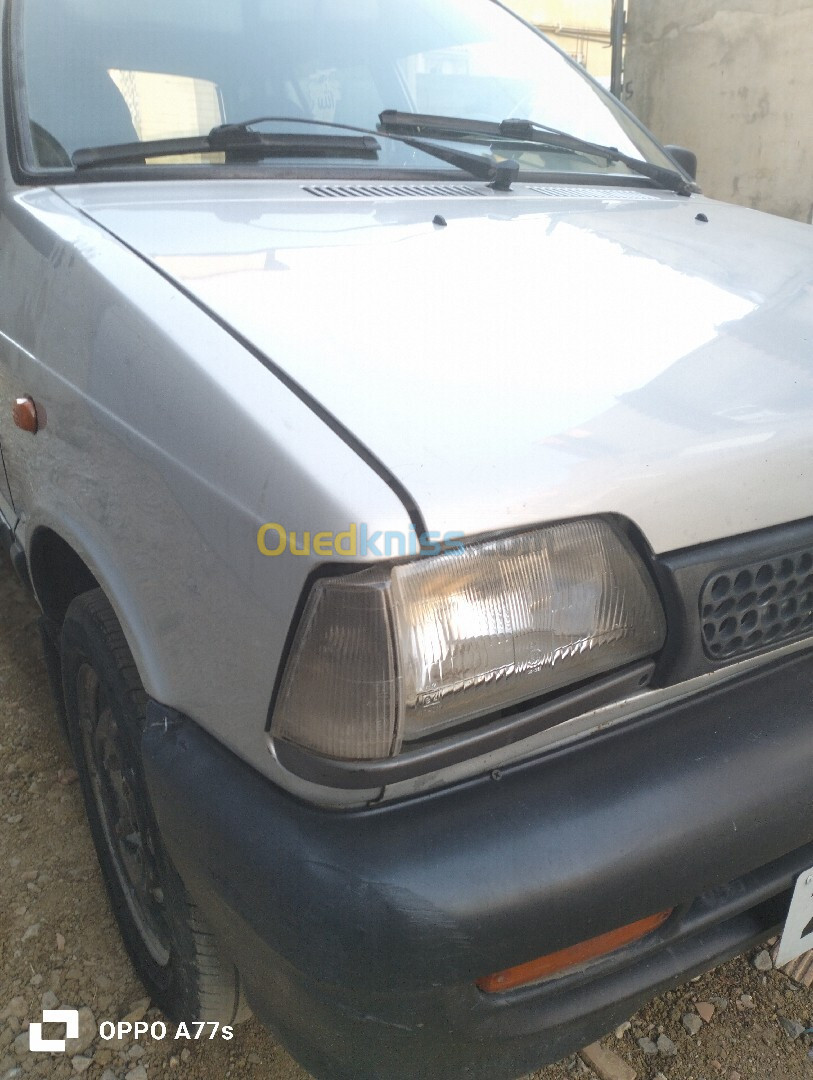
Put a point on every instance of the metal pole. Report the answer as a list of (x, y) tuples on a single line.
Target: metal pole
[(617, 28)]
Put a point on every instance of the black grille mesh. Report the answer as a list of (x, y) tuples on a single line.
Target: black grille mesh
[(745, 609)]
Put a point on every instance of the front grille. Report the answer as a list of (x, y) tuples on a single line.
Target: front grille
[(764, 603)]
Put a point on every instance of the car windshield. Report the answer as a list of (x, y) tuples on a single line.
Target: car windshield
[(102, 73)]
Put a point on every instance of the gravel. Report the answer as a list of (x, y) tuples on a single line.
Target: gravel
[(762, 960), (706, 1011), (693, 1023), (59, 943), (792, 1028)]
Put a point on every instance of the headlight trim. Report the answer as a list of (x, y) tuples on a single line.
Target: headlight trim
[(462, 745), (591, 559)]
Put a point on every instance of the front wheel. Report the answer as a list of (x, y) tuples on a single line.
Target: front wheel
[(174, 953)]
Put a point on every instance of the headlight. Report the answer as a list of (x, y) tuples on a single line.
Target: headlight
[(385, 657)]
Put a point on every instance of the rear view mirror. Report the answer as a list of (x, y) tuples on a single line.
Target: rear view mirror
[(686, 159)]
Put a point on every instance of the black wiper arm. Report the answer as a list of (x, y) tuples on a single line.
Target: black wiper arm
[(238, 144), (498, 174), (526, 131)]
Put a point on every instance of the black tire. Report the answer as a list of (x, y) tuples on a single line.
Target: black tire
[(50, 633), (174, 953)]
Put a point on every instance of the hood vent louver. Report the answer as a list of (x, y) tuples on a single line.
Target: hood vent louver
[(393, 191), (456, 191), (587, 191)]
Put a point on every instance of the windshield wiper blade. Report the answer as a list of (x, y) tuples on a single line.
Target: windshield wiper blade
[(240, 143), (237, 143), (669, 179), (527, 131), (499, 174)]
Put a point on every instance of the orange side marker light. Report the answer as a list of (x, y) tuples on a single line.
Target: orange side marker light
[(573, 956)]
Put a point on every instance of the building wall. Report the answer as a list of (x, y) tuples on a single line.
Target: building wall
[(732, 80), (584, 27)]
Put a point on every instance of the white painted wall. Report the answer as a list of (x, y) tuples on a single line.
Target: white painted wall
[(732, 80), (589, 16)]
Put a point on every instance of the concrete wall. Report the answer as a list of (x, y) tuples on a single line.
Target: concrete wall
[(732, 80)]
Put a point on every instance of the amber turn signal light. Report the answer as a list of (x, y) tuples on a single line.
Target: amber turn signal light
[(24, 413), (573, 956)]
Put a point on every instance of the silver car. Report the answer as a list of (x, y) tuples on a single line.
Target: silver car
[(414, 472)]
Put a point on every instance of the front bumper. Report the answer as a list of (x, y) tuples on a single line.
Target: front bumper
[(360, 935)]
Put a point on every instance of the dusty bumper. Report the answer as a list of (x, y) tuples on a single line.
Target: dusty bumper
[(360, 935)]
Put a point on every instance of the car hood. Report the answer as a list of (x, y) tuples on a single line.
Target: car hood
[(515, 358)]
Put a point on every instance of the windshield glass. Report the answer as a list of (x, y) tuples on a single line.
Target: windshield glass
[(100, 72)]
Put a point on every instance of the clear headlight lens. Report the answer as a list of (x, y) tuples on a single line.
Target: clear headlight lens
[(385, 657)]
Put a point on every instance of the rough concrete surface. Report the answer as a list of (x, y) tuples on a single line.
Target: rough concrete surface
[(59, 946), (732, 80)]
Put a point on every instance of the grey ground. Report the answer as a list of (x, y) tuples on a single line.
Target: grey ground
[(58, 940)]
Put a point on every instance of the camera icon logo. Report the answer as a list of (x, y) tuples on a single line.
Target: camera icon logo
[(68, 1017)]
